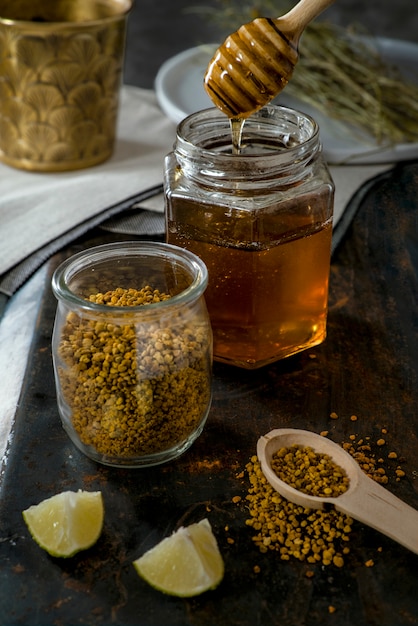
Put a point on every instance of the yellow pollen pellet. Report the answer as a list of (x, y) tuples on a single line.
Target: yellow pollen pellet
[(314, 536), (309, 472), (290, 530), (130, 392)]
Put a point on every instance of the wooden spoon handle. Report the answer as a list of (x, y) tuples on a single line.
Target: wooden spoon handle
[(377, 507), (296, 20)]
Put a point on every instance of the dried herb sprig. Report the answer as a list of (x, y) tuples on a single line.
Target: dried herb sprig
[(343, 75), (340, 73)]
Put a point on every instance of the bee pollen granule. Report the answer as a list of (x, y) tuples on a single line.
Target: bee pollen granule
[(133, 389), (310, 535)]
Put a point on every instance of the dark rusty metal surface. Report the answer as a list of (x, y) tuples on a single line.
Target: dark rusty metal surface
[(368, 366)]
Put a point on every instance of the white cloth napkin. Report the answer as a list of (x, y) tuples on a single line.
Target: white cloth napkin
[(39, 213), (36, 208)]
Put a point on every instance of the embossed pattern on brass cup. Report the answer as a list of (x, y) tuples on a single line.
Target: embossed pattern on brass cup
[(61, 64)]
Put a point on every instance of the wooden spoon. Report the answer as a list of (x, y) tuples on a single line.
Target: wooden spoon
[(365, 500), (256, 62)]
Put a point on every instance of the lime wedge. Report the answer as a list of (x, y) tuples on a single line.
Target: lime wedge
[(67, 522), (185, 564)]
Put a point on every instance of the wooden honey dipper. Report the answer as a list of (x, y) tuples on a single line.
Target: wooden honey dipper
[(256, 62)]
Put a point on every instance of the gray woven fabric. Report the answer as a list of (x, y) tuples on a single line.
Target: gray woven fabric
[(137, 222), (12, 280)]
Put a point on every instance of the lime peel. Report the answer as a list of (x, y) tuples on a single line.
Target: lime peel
[(67, 522), (185, 564)]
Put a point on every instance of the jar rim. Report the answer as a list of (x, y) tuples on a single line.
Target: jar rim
[(267, 116), (69, 268)]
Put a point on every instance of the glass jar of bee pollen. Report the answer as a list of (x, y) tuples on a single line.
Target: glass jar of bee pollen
[(132, 351)]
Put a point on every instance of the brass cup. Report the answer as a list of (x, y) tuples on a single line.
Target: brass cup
[(61, 64)]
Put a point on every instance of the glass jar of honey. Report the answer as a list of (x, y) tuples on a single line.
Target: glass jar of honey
[(132, 351), (260, 217)]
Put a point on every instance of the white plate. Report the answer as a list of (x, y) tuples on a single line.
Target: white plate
[(180, 92)]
